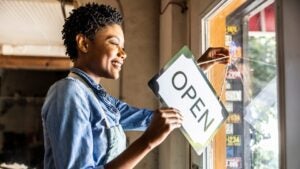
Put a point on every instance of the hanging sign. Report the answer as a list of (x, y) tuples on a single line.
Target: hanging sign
[(234, 163), (233, 95), (233, 74), (233, 140), (234, 118), (182, 85)]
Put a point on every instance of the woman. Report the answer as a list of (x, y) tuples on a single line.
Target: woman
[(83, 124)]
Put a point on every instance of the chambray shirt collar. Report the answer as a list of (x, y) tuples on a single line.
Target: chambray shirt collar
[(97, 88)]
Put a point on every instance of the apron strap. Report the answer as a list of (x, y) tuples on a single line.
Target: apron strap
[(74, 75)]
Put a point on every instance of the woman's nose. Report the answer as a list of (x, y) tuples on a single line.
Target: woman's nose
[(122, 53)]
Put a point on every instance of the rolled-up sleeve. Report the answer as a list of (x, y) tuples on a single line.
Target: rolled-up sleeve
[(132, 118)]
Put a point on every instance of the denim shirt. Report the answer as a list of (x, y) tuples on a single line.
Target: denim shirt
[(74, 129)]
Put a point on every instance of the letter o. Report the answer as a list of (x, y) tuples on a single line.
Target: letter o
[(181, 85)]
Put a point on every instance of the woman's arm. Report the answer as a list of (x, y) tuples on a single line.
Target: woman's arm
[(164, 121), (132, 118)]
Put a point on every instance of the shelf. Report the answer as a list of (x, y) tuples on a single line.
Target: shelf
[(35, 63)]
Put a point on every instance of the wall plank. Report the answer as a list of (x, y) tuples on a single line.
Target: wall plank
[(35, 63)]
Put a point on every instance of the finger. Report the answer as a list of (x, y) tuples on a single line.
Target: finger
[(211, 52), (219, 50), (172, 120), (175, 126), (222, 51), (170, 110), (222, 58), (170, 114)]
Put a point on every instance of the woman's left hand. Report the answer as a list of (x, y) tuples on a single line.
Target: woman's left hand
[(213, 55)]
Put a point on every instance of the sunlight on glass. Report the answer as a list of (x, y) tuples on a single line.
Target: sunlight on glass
[(260, 101), (247, 29)]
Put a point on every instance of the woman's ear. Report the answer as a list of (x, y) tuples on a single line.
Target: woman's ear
[(82, 43)]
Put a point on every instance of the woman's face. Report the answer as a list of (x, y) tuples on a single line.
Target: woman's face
[(106, 55)]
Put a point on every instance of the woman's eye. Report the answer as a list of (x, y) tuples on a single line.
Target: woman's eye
[(114, 43)]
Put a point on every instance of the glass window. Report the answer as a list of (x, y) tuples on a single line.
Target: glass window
[(247, 86)]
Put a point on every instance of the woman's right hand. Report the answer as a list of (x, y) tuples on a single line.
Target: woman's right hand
[(164, 121)]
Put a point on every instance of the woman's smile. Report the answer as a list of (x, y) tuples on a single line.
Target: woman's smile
[(117, 64)]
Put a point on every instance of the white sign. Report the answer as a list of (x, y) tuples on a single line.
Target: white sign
[(229, 128), (184, 86), (233, 74), (229, 106), (234, 163), (233, 95), (227, 84)]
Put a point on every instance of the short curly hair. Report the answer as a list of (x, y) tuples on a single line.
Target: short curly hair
[(87, 20)]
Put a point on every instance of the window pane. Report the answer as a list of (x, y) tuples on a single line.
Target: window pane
[(260, 99), (250, 86)]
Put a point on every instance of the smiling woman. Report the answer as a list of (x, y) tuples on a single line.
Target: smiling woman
[(83, 125)]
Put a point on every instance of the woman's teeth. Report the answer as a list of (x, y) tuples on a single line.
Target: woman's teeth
[(117, 64)]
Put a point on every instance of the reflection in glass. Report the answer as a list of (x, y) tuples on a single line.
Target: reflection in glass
[(247, 29), (252, 77), (260, 88)]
